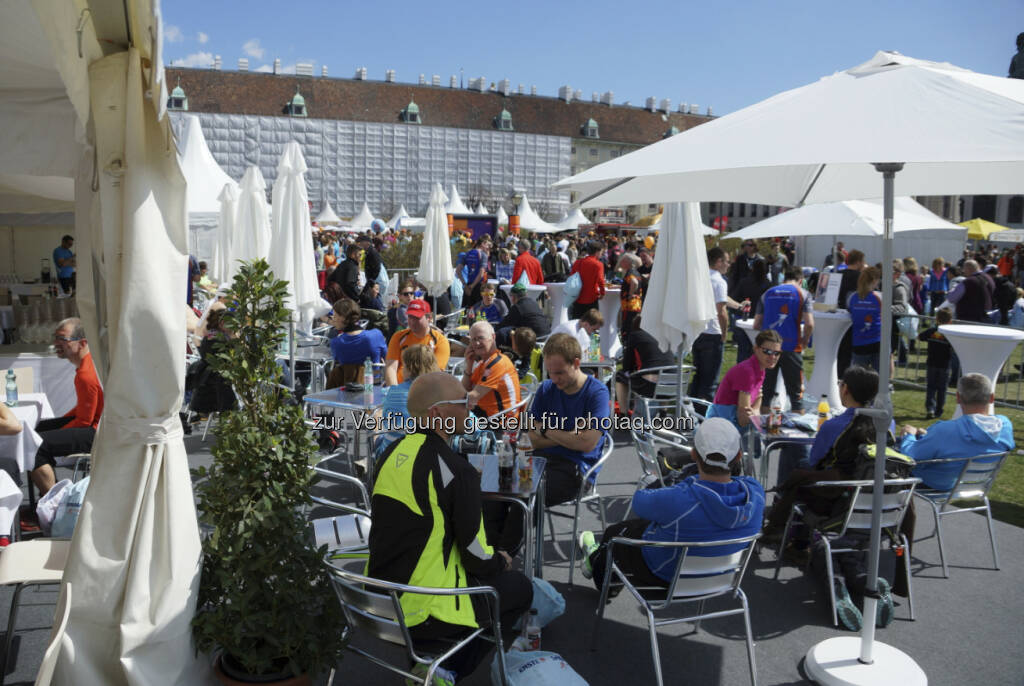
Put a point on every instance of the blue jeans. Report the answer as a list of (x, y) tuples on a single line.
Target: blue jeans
[(707, 362), (935, 394)]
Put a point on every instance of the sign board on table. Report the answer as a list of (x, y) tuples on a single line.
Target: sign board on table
[(826, 298)]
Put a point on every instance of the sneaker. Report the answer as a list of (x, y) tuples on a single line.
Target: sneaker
[(849, 614), (5, 541), (587, 547), (884, 612), (442, 676)]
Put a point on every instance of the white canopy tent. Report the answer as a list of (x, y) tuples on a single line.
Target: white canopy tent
[(399, 215), (360, 222), (327, 217), (204, 180), (67, 100), (455, 204), (480, 209), (932, 128), (502, 216), (531, 221), (572, 220)]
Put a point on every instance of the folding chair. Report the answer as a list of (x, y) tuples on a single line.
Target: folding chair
[(858, 518), (587, 493), (373, 606), (975, 480), (696, 580)]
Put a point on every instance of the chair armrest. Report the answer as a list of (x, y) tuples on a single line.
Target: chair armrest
[(866, 483)]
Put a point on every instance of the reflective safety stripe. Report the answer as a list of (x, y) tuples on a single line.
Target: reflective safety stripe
[(395, 477)]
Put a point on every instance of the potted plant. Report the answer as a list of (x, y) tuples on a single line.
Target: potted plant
[(265, 601)]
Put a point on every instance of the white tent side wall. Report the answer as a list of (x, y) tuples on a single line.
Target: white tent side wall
[(924, 246)]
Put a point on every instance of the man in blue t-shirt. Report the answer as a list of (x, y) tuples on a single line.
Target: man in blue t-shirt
[(783, 309), (64, 261), (567, 412)]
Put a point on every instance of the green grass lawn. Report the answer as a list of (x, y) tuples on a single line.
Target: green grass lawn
[(1007, 496)]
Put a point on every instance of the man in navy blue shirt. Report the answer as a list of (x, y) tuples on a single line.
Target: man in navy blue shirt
[(64, 261), (784, 308)]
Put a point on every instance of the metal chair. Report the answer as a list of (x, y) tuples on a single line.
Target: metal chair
[(373, 606), (647, 444), (975, 480), (696, 580), (667, 380), (587, 493), (858, 518)]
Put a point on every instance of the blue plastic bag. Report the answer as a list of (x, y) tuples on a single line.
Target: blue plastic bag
[(573, 286), (536, 668), (524, 279), (547, 601), (67, 512)]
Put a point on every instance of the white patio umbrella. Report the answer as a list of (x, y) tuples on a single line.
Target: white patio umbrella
[(400, 214), (436, 272), (573, 220), (502, 216), (226, 224), (252, 237), (360, 222), (327, 217), (455, 204), (941, 129), (705, 230), (291, 250), (531, 221)]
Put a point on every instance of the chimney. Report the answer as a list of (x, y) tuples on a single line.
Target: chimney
[(453, 82), (423, 79), (533, 90), (505, 86), (652, 103), (389, 75), (666, 105), (608, 98), (709, 111), (565, 93), (216, 62), (479, 84), (277, 65), (304, 69), (521, 90), (323, 70), (694, 109), (595, 97), (360, 74), (243, 64), (683, 108), (577, 95), (435, 80)]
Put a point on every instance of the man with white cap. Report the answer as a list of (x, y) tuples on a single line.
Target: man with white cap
[(711, 506)]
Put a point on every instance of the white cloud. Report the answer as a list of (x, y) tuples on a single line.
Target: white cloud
[(196, 59), (203, 38), (172, 34), (252, 48), (269, 69)]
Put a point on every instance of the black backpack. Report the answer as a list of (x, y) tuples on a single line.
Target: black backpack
[(554, 267)]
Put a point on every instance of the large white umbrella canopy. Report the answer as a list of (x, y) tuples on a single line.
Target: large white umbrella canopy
[(436, 272), (455, 204), (680, 266), (955, 131), (573, 220), (932, 128), (291, 250), (400, 214), (362, 221), (327, 217), (705, 230), (252, 231), (531, 221), (223, 260), (846, 218)]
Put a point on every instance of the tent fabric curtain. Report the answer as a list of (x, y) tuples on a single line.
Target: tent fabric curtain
[(135, 557)]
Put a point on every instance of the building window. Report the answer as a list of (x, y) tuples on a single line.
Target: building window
[(574, 150), (1015, 210), (593, 152), (984, 207), (296, 107), (589, 129), (503, 121), (177, 100), (671, 132), (411, 114), (615, 153)]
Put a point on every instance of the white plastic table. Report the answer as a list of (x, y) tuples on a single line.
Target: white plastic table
[(22, 446), (829, 328), (981, 349), (609, 306), (559, 312), (533, 290), (780, 386)]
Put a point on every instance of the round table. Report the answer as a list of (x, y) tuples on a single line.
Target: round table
[(981, 349), (609, 305), (780, 386), (829, 328), (559, 311), (22, 446), (533, 290)]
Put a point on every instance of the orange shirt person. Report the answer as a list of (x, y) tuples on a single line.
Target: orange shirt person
[(491, 378), (420, 332)]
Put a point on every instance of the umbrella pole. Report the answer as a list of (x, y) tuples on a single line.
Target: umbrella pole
[(680, 354), (291, 348)]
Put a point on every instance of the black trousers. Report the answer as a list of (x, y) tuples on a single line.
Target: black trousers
[(515, 595), (629, 559), (791, 364), (59, 442), (577, 310)]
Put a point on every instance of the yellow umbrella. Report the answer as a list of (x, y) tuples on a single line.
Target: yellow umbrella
[(979, 229)]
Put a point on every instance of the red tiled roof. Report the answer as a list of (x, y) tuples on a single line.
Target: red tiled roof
[(233, 92)]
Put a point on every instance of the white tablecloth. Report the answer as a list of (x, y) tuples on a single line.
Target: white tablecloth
[(53, 376), (26, 288), (22, 447)]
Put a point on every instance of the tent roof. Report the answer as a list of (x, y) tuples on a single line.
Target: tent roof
[(979, 229), (327, 217), (360, 222), (204, 177), (455, 204), (573, 220), (531, 221)]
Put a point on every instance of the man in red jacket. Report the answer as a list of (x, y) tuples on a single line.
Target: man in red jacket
[(72, 433), (527, 263), (591, 271)]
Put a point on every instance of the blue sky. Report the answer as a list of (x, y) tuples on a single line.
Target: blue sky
[(724, 54)]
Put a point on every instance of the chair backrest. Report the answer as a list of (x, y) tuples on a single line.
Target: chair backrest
[(774, 448), (25, 377), (60, 625), (894, 502), (370, 606), (342, 534), (976, 476)]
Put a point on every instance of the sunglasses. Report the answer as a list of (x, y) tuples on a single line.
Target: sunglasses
[(459, 401), (406, 293), (771, 353), (65, 339)]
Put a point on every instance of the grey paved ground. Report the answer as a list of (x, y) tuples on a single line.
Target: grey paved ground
[(968, 627)]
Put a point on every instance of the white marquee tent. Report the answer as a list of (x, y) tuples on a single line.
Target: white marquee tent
[(573, 220), (455, 204), (360, 222), (327, 217), (531, 221), (204, 181)]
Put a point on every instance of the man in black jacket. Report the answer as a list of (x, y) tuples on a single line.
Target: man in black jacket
[(371, 258), (524, 312), (346, 274)]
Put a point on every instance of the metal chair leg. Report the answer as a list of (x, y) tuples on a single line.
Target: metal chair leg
[(11, 619), (655, 653), (938, 537), (750, 638), (209, 420), (906, 567), (700, 611), (782, 543), (831, 581), (991, 533), (572, 542)]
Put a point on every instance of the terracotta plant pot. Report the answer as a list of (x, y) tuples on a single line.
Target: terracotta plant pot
[(301, 680)]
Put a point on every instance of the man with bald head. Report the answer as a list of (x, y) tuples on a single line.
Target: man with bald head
[(428, 529), (973, 296), (490, 377)]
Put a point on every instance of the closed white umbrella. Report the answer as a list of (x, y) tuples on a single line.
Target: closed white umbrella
[(291, 250), (705, 230), (222, 257), (436, 272), (936, 128), (252, 235)]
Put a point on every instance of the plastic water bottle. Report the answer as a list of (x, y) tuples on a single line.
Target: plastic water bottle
[(595, 347), (368, 377), (12, 388), (533, 630), (775, 415), (823, 410)]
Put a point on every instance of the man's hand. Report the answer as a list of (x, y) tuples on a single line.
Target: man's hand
[(506, 557), (908, 430)]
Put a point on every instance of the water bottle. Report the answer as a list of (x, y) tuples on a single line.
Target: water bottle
[(368, 377), (775, 416), (533, 630), (823, 410), (595, 347), (12, 388)]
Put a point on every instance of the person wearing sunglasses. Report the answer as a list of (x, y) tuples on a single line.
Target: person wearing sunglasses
[(739, 394), (786, 308), (397, 317), (427, 529), (74, 432)]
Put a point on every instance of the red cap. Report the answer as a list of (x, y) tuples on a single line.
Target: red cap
[(417, 308)]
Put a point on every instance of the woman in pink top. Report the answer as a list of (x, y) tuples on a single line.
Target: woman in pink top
[(739, 394)]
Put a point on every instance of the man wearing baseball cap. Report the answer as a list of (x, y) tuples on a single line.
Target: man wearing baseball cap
[(712, 506), (419, 332)]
